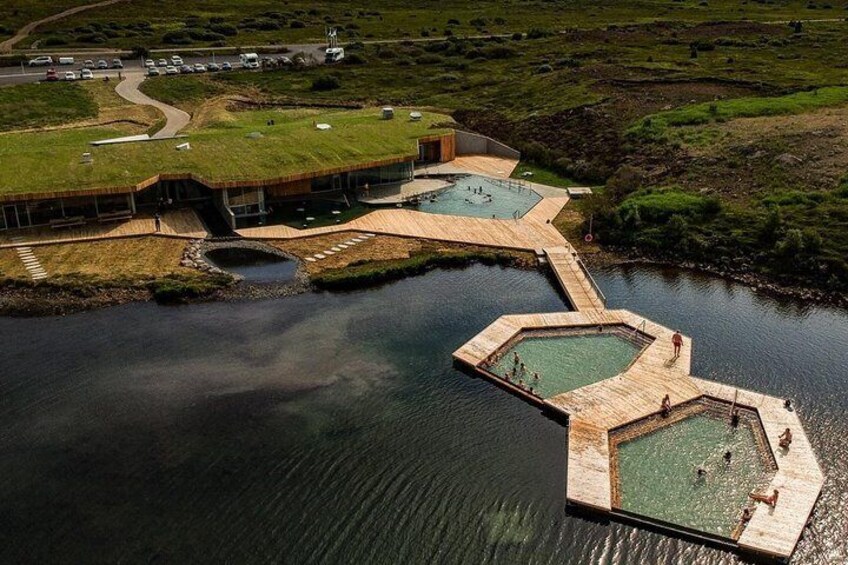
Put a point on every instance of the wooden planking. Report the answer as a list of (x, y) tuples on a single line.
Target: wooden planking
[(523, 234), (181, 223), (486, 165), (572, 279), (588, 482), (776, 531)]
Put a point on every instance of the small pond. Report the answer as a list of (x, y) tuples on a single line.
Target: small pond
[(254, 265)]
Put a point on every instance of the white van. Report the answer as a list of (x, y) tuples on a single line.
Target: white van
[(66, 60), (249, 60)]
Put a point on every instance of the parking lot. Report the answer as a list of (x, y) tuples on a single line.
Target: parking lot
[(91, 66)]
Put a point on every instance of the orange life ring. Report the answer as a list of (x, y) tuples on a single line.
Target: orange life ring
[(589, 237)]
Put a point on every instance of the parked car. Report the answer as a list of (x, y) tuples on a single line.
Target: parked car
[(41, 61), (117, 64), (149, 63), (226, 66), (186, 69), (102, 64), (86, 74), (171, 70), (88, 64), (51, 75), (213, 67), (153, 72), (162, 63), (176, 60), (284, 61), (66, 60), (69, 75), (199, 68)]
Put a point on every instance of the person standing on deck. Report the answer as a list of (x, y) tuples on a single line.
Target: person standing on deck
[(157, 222), (677, 341)]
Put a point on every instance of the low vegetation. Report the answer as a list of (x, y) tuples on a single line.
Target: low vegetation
[(230, 146), (655, 126), (44, 104)]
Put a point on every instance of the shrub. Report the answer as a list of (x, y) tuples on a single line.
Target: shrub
[(355, 59), (538, 33), (326, 82), (224, 29), (543, 69), (429, 59), (499, 52), (297, 24), (517, 36)]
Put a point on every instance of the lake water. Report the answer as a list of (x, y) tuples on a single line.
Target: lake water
[(332, 428)]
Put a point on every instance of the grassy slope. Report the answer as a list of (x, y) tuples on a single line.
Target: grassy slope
[(220, 151), (129, 260), (33, 105), (393, 19), (655, 126)]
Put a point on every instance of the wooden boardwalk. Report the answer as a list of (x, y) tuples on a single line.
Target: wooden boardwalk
[(182, 223), (574, 279), (532, 232)]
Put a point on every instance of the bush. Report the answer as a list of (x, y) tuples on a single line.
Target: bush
[(499, 52), (297, 24), (538, 33), (543, 69), (326, 82), (355, 59), (517, 36), (224, 29), (429, 59)]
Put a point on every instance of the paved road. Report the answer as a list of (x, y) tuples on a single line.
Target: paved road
[(18, 75), (176, 118), (22, 33)]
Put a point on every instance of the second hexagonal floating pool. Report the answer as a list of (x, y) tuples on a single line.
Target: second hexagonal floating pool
[(674, 469), (558, 360)]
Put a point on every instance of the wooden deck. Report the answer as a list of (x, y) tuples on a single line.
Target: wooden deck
[(597, 409), (487, 165), (182, 223), (531, 232), (799, 479)]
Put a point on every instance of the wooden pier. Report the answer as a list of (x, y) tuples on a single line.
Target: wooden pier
[(597, 409)]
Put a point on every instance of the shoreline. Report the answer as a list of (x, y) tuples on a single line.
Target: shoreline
[(758, 283), (43, 300)]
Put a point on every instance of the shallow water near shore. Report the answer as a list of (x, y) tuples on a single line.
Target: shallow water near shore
[(332, 427)]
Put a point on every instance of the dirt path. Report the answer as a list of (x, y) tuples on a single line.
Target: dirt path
[(6, 46), (176, 118)]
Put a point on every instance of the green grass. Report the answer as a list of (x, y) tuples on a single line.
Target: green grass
[(655, 126), (541, 175), (147, 21), (36, 105), (221, 151)]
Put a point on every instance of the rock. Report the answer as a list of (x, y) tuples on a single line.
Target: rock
[(788, 159)]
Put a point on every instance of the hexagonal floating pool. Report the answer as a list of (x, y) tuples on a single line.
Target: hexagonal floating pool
[(566, 359), (655, 465)]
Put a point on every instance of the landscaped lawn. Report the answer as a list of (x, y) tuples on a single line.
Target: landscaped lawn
[(220, 151)]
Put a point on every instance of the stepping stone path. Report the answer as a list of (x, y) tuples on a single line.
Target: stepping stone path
[(30, 261), (341, 247)]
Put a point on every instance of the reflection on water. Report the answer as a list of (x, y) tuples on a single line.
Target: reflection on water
[(255, 266), (332, 428)]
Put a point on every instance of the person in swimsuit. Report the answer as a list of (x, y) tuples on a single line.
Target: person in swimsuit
[(677, 341), (785, 439), (771, 499)]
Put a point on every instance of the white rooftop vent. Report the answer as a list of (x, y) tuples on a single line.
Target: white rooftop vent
[(415, 116), (184, 146), (388, 113)]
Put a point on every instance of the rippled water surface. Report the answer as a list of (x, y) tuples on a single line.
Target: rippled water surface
[(332, 428)]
